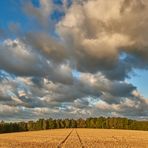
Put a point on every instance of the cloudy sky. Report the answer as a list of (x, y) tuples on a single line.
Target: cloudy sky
[(73, 58)]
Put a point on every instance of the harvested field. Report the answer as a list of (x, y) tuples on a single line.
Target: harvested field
[(76, 138)]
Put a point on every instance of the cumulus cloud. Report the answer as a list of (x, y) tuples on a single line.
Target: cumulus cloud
[(81, 97), (76, 65), (130, 107), (19, 59), (16, 58), (98, 31)]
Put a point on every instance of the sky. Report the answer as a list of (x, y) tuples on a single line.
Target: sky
[(73, 59)]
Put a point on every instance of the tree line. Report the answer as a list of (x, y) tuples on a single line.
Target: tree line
[(100, 122)]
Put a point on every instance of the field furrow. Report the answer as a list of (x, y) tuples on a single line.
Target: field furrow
[(82, 145), (64, 140), (72, 141)]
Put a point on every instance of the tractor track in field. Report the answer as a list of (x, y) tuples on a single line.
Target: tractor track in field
[(65, 139), (79, 139)]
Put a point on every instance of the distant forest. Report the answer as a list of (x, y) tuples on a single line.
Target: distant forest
[(101, 122)]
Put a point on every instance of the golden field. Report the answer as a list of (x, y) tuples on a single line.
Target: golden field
[(76, 138)]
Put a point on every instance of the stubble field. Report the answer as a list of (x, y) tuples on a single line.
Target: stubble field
[(76, 138)]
